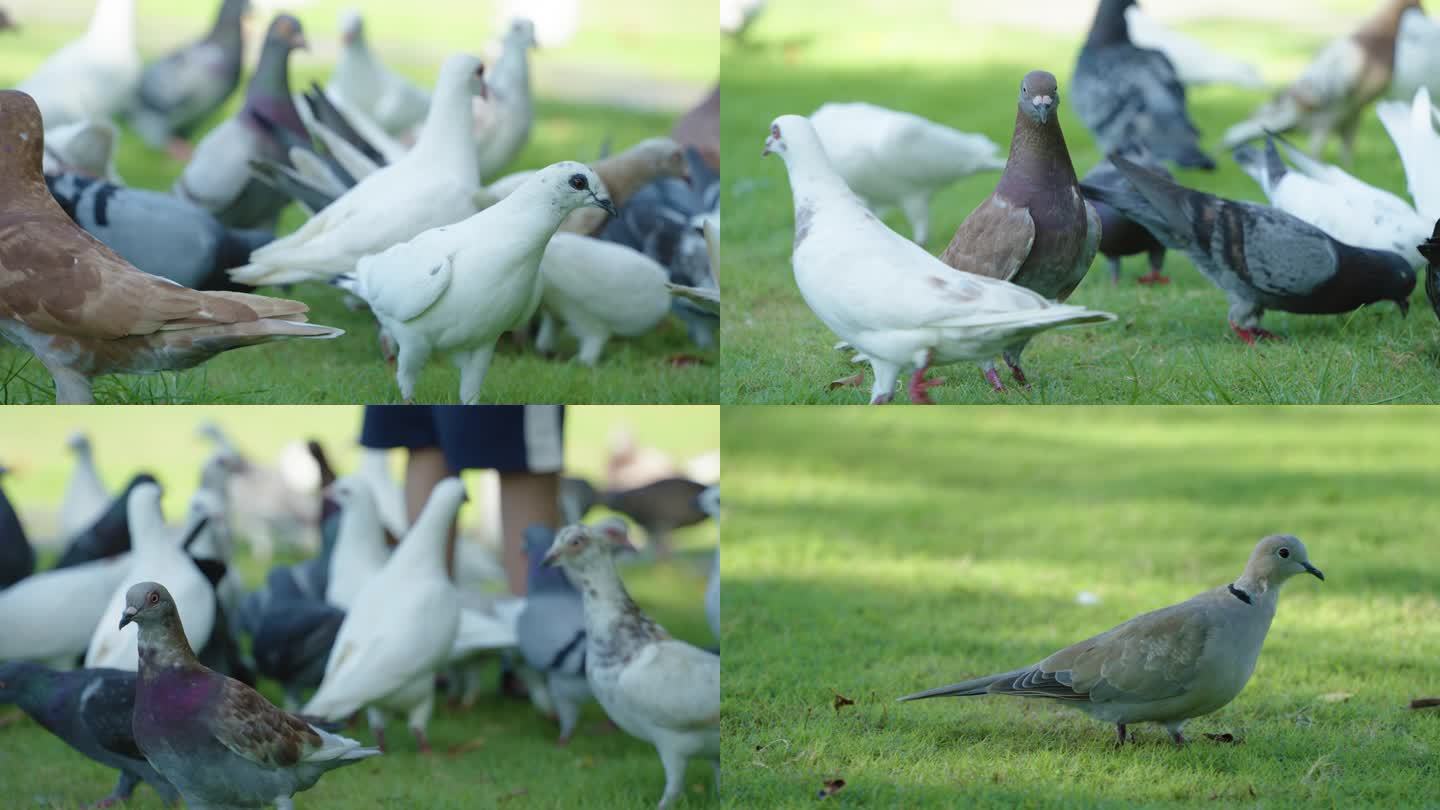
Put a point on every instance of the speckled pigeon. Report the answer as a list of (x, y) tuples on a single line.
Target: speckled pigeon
[(1126, 94), (552, 631), (660, 508), (1430, 249), (1120, 237), (1260, 256), (158, 232), (17, 558), (1035, 229), (90, 709), (217, 740), (110, 535), (180, 90)]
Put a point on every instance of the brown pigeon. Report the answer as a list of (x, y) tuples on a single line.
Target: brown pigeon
[(1035, 229), (82, 309)]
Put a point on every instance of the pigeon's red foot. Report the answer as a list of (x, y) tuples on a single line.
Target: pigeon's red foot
[(421, 740), (853, 381), (1018, 374), (919, 386), (682, 360), (1153, 277), (561, 742), (994, 377), (1252, 335)]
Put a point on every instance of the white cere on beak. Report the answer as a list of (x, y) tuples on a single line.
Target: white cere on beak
[(1038, 100), (24, 136)]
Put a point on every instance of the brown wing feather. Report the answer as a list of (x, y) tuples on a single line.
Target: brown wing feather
[(253, 728), (993, 241)]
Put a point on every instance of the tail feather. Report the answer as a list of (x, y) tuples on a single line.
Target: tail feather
[(1277, 115), (1151, 200), (970, 688)]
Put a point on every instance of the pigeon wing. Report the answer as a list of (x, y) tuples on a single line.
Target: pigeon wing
[(677, 685), (251, 727), (993, 241)]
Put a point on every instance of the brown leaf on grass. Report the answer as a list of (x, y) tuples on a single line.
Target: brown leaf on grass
[(11, 718), (1227, 737), (1337, 697), (1424, 703), (841, 700), (467, 746), (513, 794), (853, 381), (831, 787)]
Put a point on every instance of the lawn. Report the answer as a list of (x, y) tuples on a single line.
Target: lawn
[(1171, 344), (870, 556), (620, 80), (500, 753)]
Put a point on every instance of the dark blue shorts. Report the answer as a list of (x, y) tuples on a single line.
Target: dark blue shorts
[(507, 438)]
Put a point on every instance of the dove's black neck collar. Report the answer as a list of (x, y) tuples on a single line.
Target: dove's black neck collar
[(1239, 594)]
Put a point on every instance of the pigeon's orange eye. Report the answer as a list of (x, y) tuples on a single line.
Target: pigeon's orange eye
[(154, 598)]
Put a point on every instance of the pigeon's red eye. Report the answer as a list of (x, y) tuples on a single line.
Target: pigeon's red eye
[(154, 598)]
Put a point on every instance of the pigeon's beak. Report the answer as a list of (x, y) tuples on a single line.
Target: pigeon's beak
[(1042, 105), (769, 146), (128, 616), (604, 204), (1312, 569), (549, 559)]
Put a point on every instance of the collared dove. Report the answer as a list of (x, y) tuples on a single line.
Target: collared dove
[(1168, 665)]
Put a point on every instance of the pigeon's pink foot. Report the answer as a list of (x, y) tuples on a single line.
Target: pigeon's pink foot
[(1177, 737), (1153, 277), (853, 381), (919, 385), (421, 740), (1018, 374), (994, 377), (1252, 335)]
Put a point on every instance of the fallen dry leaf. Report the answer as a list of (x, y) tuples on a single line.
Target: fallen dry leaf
[(841, 700), (1424, 703), (831, 787), (467, 746), (1337, 697), (853, 381)]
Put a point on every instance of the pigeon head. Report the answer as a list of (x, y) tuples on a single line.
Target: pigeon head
[(1039, 96), (788, 133), (464, 69), (286, 34), (1277, 558), (709, 502), (575, 185), (352, 27), (79, 443), (578, 546), (22, 138), (521, 33), (539, 575), (147, 603)]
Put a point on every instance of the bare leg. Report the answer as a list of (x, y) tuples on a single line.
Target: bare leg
[(525, 499), (1012, 359), (423, 471), (674, 764), (917, 210), (1114, 270), (993, 376), (376, 718), (1119, 734), (71, 387), (408, 364), (1157, 259), (420, 718), (472, 373), (122, 791), (886, 373), (919, 385)]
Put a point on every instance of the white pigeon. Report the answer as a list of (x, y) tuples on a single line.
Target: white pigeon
[(86, 497), (597, 289), (882, 293), (384, 96), (458, 288), (487, 628), (50, 616), (1417, 55), (399, 630), (1332, 200), (388, 497), (157, 556), (502, 119), (435, 184), (892, 158), (93, 77), (84, 147), (360, 551), (655, 687), (1412, 128), (1195, 63)]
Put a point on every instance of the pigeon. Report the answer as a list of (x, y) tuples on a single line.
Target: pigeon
[(108, 535), (387, 98), (486, 624), (360, 549), (84, 311), (1417, 55), (293, 642), (1412, 128), (17, 558), (1129, 95), (1263, 258), (217, 740), (1036, 229), (86, 497), (457, 289), (655, 687), (218, 177), (885, 295), (660, 507), (182, 89), (93, 77), (551, 630), (1430, 249), (1166, 666), (659, 222), (1349, 210), (85, 148), (399, 630), (51, 615), (1335, 88), (503, 117), (91, 711), (1195, 63), (158, 552), (895, 158), (1120, 237), (195, 250), (434, 185)]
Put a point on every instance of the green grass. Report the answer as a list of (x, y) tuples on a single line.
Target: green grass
[(507, 746), (639, 47), (875, 556), (1170, 345)]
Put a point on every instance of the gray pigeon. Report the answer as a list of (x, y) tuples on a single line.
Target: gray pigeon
[(157, 232), (551, 630), (17, 558), (293, 643), (1120, 237), (108, 536), (1126, 94), (217, 740), (90, 709), (660, 508), (1430, 249), (180, 90), (218, 177), (1166, 666), (1034, 230), (1261, 257)]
